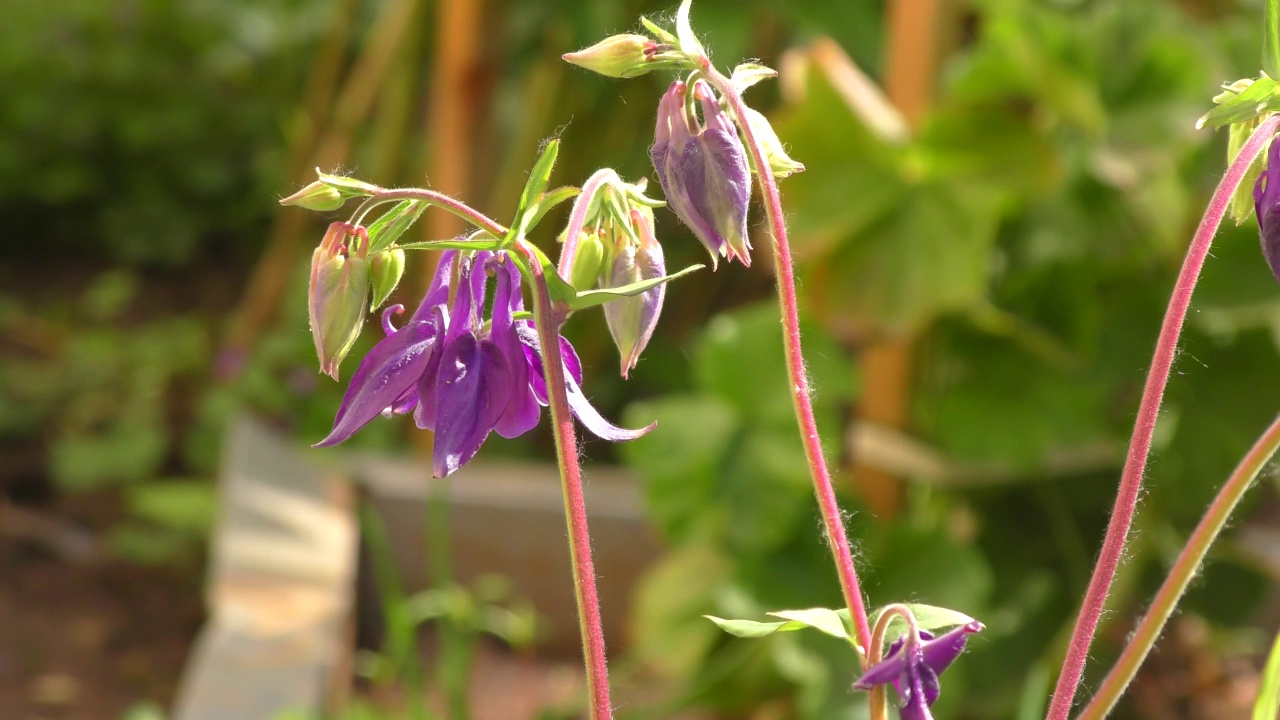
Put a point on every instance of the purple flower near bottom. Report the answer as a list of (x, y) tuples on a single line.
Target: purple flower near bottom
[(913, 666), (459, 376), (1266, 204)]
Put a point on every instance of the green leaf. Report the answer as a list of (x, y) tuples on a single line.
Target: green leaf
[(187, 506), (548, 200), (475, 242), (928, 617), (822, 619), (1268, 705), (828, 621), (1271, 42), (540, 175), (591, 298), (393, 223), (1259, 97)]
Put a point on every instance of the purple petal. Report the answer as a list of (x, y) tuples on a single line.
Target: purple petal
[(471, 389), (593, 421), (387, 328), (385, 375), (887, 670), (522, 412), (939, 653), (920, 691)]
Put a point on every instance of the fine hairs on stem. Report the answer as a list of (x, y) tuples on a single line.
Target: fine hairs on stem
[(1148, 411), (802, 402)]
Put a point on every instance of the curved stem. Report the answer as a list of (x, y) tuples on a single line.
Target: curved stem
[(879, 694), (799, 380), (1184, 568), (457, 207), (584, 575), (1148, 411), (578, 218)]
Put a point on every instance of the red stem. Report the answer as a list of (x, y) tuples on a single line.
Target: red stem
[(801, 395), (584, 574), (1148, 412)]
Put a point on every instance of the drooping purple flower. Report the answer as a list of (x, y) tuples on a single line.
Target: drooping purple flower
[(459, 376), (913, 666), (702, 168), (1266, 204), (632, 320)]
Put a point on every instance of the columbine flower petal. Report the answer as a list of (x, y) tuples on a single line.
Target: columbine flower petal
[(1266, 203), (386, 374), (471, 391), (522, 411)]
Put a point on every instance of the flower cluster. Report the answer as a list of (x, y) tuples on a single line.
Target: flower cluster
[(461, 377)]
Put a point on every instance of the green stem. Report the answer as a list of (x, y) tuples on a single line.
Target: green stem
[(584, 575), (801, 394), (1135, 463), (454, 660), (1180, 575)]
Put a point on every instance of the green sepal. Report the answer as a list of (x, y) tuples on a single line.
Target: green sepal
[(658, 32), (1271, 39), (592, 298), (349, 187), (1239, 102), (587, 262), (689, 44), (393, 223)]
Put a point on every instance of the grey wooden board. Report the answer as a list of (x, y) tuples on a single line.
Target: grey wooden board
[(508, 519), (280, 585)]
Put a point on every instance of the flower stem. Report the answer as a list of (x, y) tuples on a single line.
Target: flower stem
[(1148, 411), (801, 395), (457, 207), (584, 575), (1184, 568), (878, 695), (578, 218)]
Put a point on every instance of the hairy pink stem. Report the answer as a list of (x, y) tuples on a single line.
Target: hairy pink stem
[(799, 380), (1148, 411), (1180, 575), (575, 506)]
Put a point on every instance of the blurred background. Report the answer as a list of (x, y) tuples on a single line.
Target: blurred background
[(997, 198)]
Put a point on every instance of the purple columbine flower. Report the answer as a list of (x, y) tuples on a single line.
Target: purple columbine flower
[(1266, 204), (913, 666), (459, 376), (702, 168)]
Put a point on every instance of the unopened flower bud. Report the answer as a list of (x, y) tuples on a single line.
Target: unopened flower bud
[(632, 320), (781, 163), (338, 295), (702, 167), (619, 56), (316, 196), (385, 270), (586, 264)]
